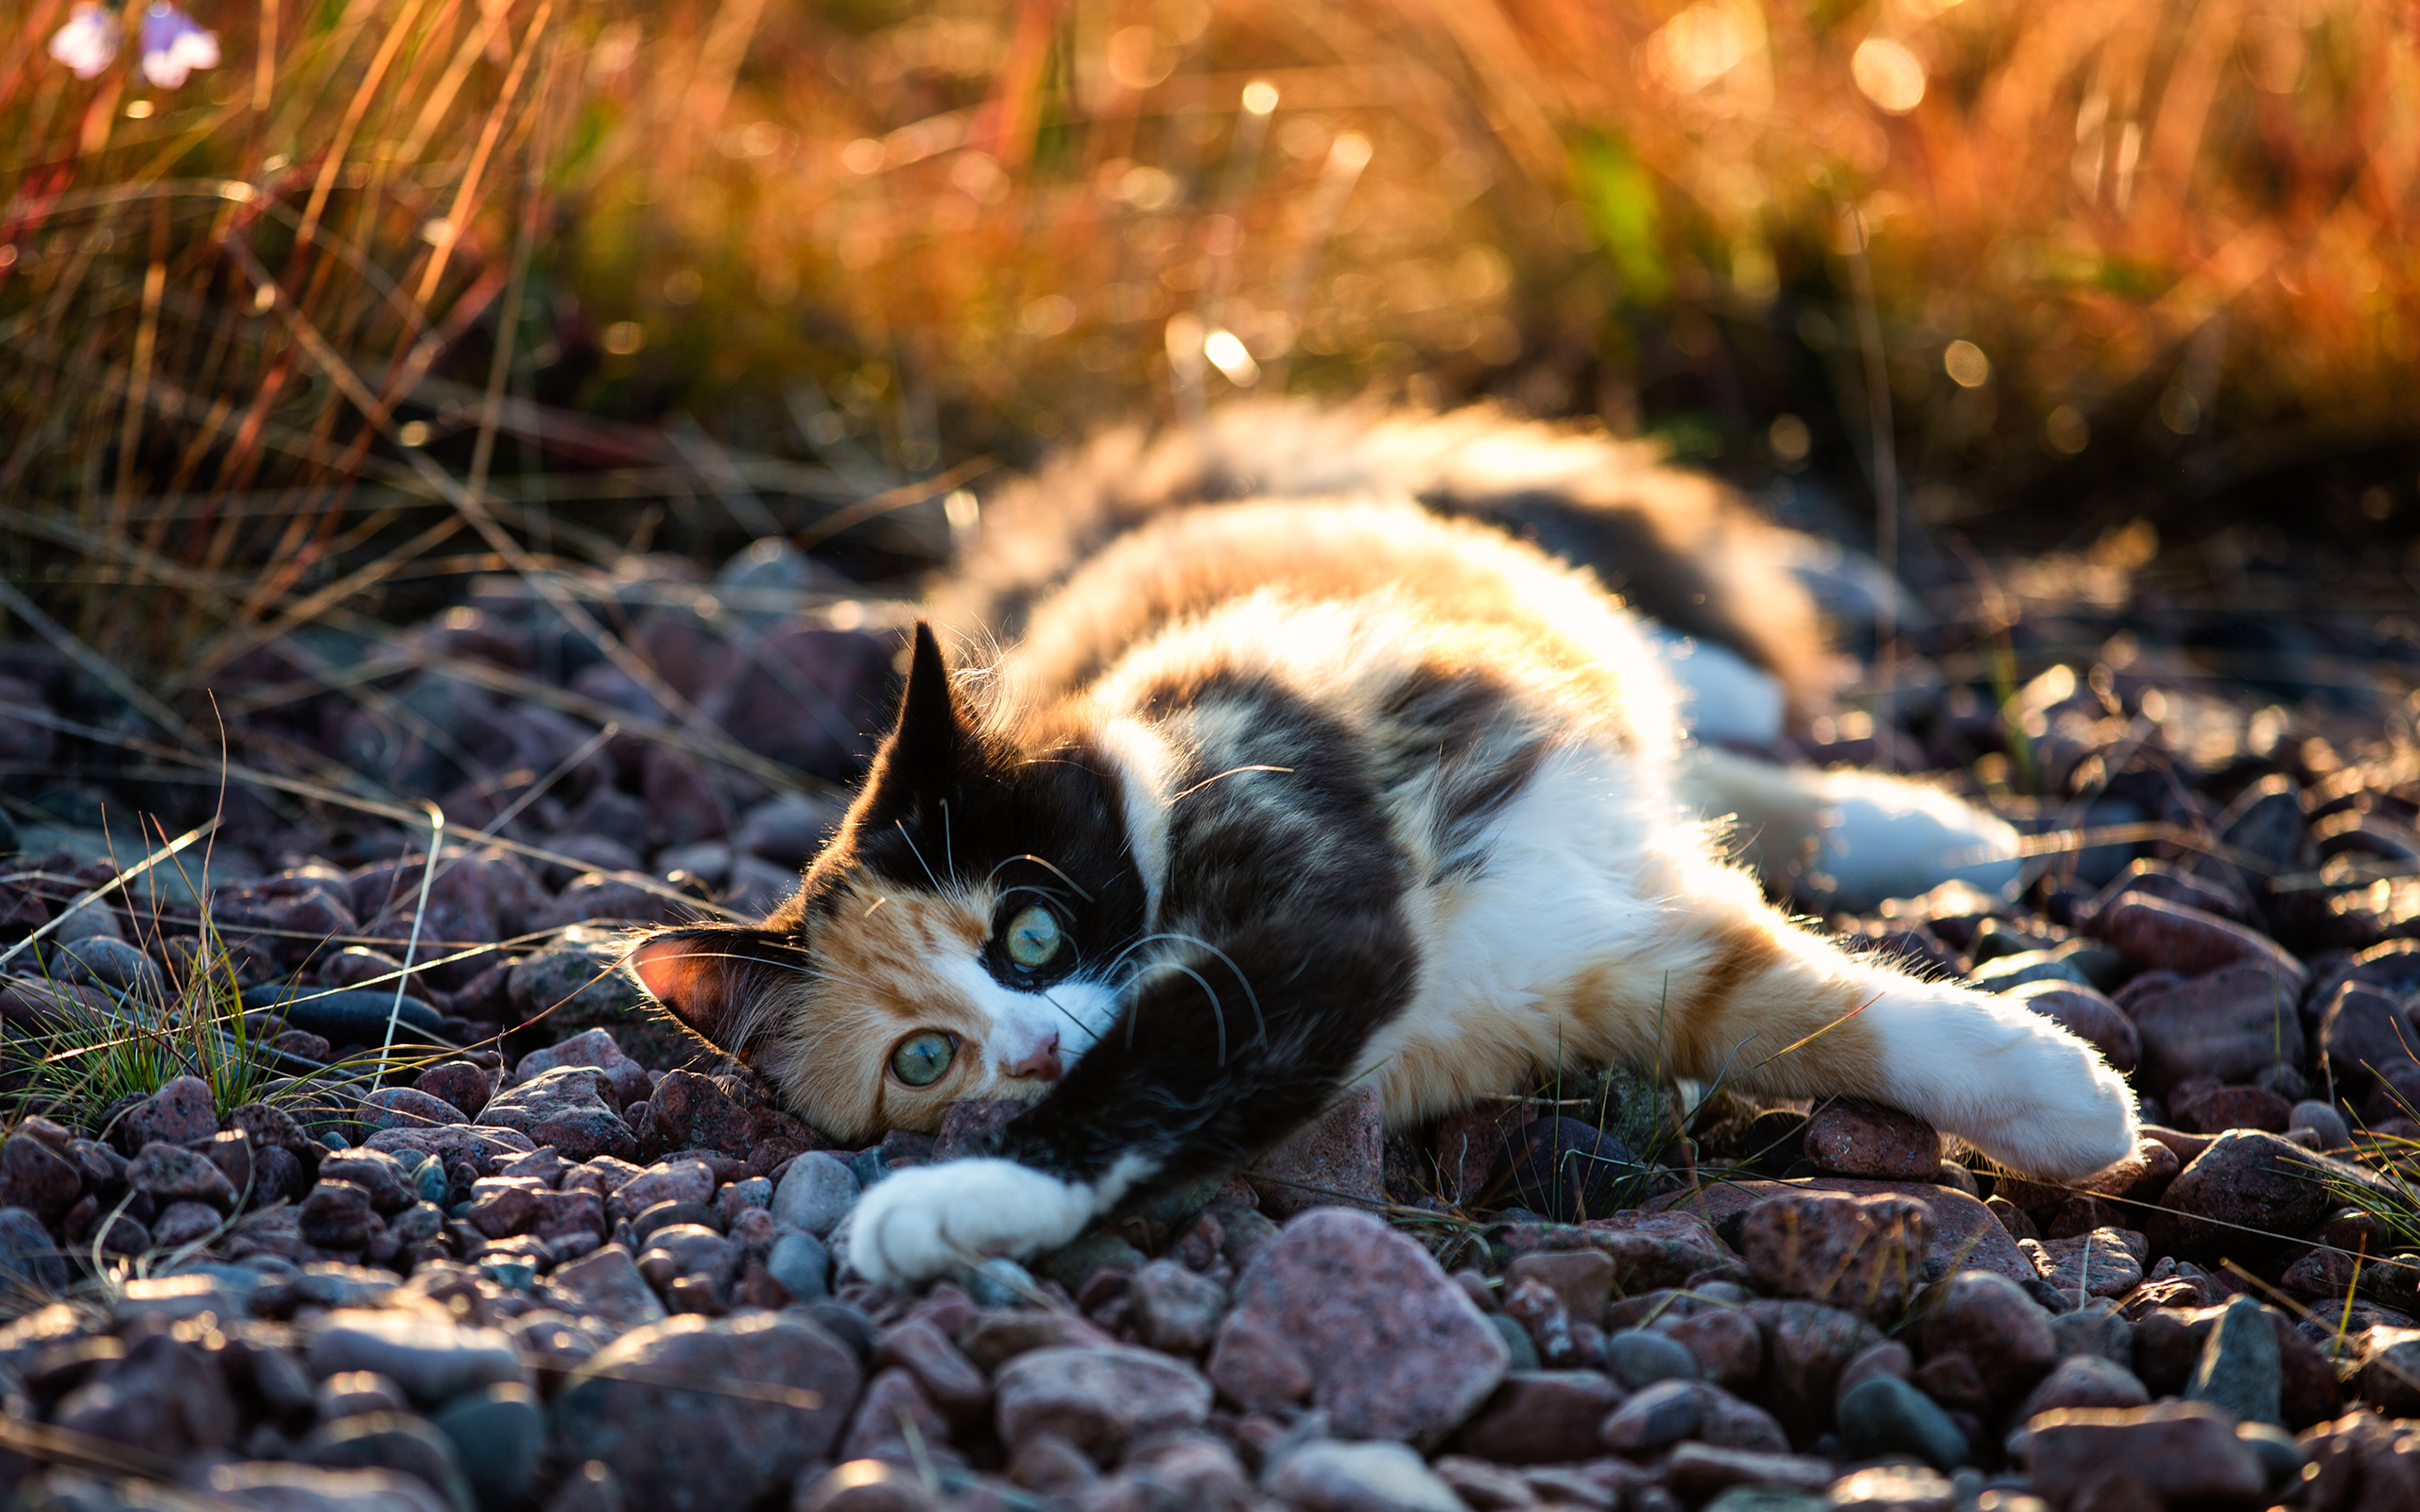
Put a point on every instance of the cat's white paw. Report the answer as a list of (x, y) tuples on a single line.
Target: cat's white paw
[(2016, 1085), (929, 1219)]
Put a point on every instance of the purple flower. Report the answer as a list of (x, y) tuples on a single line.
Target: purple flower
[(89, 41), (173, 46)]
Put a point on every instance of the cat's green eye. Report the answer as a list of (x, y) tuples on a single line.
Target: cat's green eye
[(921, 1059), (1034, 938)]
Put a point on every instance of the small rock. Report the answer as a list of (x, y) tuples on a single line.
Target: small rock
[(2084, 1381), (390, 1441), (803, 1266), (28, 1255), (1175, 1311), (2248, 1185), (2100, 1264), (2229, 1025), (1343, 1310), (1807, 1346), (564, 1108), (498, 1434), (184, 1223), (1583, 1277), (1641, 1357), (1849, 1137), (37, 1178), (430, 1357), (578, 981), (692, 1112), (2322, 1122), (2156, 935), (1098, 1398), (1541, 1416), (1697, 1471), (1726, 1344), (2187, 1453), (274, 1486), (336, 1215), (948, 1378), (2086, 1014), (596, 1048), (967, 1127), (408, 1107), (1892, 1489), (181, 1112), (814, 1194), (1988, 1320), (2097, 1327), (1338, 1155), (1884, 1414), (2239, 1371), (164, 1396), (1572, 1171), (1328, 1476), (893, 1410), (458, 1084), (687, 1450), (1865, 1254), (390, 1186), (1662, 1415)]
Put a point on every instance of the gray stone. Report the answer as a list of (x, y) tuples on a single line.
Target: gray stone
[(1327, 1476), (1662, 1415), (172, 1174), (802, 1263), (1520, 1351), (390, 1441), (1342, 1310), (654, 1408), (1098, 1398), (1884, 1414), (28, 1255), (1641, 1357), (566, 1109), (2240, 1371), (432, 1357), (815, 1192), (499, 1435), (607, 1285)]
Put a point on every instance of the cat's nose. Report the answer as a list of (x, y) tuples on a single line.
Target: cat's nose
[(1041, 1062)]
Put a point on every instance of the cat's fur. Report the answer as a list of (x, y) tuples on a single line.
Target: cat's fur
[(1324, 789)]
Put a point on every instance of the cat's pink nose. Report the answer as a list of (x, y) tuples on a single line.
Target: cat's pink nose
[(1041, 1062)]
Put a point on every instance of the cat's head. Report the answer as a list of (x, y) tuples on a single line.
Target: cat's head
[(959, 938)]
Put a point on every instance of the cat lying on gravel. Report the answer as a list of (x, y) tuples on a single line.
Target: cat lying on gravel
[(1338, 779)]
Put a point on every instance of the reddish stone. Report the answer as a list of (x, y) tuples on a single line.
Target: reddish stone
[(1541, 1416), (2186, 1451), (1338, 1156), (1862, 1253), (1964, 1233), (1583, 1277), (2229, 1024), (2085, 1014), (1849, 1137), (2156, 935)]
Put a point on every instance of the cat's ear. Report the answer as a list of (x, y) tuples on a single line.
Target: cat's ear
[(926, 753), (712, 978)]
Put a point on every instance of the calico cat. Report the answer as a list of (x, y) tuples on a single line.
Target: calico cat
[(1334, 781)]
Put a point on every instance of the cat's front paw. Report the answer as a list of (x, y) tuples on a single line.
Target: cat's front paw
[(930, 1219)]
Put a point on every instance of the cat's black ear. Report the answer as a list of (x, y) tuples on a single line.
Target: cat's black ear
[(927, 750), (714, 977)]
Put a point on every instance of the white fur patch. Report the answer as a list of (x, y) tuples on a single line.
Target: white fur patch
[(1883, 837), (935, 1218), (2019, 1087), (1721, 695), (1142, 760), (1078, 1011)]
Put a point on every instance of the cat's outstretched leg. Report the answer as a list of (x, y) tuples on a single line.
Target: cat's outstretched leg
[(1759, 1002)]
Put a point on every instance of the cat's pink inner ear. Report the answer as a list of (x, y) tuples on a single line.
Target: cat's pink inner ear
[(689, 975)]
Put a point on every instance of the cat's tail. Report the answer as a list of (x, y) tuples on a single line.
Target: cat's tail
[(1681, 547), (1844, 838)]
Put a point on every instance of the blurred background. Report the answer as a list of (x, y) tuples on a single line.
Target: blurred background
[(2107, 308)]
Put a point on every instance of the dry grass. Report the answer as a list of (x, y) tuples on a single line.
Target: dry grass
[(299, 335)]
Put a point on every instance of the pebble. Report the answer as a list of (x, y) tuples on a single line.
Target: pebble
[(390, 1441), (1726, 1343), (1641, 1357), (1662, 1415), (894, 1411), (683, 1450), (2084, 1381), (578, 979), (1342, 1310), (1571, 1171), (693, 1112), (276, 1486), (37, 1179), (460, 1085), (1991, 1321), (432, 1358), (1850, 1138), (1892, 1489), (377, 1173), (1541, 1416), (2158, 935), (814, 1194), (408, 1107), (1339, 1155), (1327, 1476), (1098, 1398), (1863, 1253), (1698, 1471), (1175, 1310), (1807, 1346), (564, 1108), (803, 1266), (2239, 1371), (2322, 1122), (1884, 1414), (2186, 1453), (590, 1047), (499, 1436), (2229, 1025), (2246, 1182), (336, 1215), (1583, 1277), (2100, 1263), (28, 1255), (354, 1017), (181, 1111), (2088, 1014)]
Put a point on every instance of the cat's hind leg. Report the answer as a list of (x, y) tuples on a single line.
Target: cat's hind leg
[(1744, 995)]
